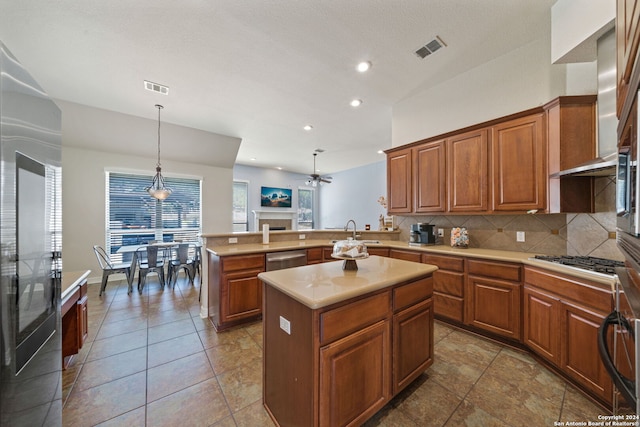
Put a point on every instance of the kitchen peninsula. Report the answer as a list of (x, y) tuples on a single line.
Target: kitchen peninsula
[(339, 344)]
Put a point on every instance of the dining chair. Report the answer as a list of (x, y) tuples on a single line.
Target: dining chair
[(181, 261), (109, 268), (150, 260)]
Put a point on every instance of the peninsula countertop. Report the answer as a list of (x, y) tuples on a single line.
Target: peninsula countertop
[(320, 285), (526, 258)]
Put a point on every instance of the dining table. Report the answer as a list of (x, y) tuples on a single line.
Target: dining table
[(164, 246)]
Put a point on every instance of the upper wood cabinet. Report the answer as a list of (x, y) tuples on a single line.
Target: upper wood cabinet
[(468, 171), (429, 177), (503, 165), (627, 40), (519, 170), (399, 188), (571, 135)]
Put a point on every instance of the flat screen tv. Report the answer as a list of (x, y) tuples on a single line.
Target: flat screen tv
[(273, 197)]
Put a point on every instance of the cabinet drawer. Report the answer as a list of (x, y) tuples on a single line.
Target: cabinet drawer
[(405, 255), (500, 270), (344, 320), (378, 251), (242, 262), (448, 282), (448, 306), (444, 262), (412, 293)]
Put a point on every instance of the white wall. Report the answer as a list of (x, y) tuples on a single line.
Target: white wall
[(354, 194), (259, 177), (84, 163), (83, 199), (575, 27), (522, 79)]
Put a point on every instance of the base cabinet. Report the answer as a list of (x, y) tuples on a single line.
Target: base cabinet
[(354, 376), (561, 320), (448, 286), (493, 297), (75, 322), (235, 293), (340, 364)]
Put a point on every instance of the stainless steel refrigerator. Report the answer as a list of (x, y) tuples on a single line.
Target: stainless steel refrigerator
[(30, 248)]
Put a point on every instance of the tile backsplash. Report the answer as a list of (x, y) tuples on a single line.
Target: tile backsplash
[(551, 234)]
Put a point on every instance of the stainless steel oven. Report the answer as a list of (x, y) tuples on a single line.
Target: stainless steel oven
[(628, 186), (618, 339)]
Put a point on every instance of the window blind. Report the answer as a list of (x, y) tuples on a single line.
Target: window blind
[(135, 218)]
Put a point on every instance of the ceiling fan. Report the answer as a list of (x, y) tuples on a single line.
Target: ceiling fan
[(314, 178)]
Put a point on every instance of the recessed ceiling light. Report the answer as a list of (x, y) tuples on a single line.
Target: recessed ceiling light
[(356, 102), (279, 168), (253, 159), (307, 127), (380, 152), (363, 66)]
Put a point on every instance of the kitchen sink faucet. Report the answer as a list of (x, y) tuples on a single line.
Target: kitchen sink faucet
[(346, 227)]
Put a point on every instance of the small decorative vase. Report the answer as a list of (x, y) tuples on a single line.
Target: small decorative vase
[(459, 237)]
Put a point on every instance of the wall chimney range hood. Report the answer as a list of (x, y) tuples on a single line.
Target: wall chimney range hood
[(607, 161)]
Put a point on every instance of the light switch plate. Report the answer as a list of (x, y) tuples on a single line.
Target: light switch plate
[(440, 232), (233, 240), (285, 325), (302, 236), (519, 236)]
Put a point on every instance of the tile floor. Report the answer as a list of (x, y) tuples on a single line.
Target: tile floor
[(150, 360)]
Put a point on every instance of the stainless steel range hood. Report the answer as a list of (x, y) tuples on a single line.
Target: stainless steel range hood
[(606, 162)]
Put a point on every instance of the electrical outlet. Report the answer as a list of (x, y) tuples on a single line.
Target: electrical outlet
[(233, 240), (302, 236), (285, 325), (440, 232), (519, 236)]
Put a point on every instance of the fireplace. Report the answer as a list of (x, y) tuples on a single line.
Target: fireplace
[(275, 219)]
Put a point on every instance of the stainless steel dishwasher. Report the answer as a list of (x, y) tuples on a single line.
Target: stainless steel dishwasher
[(286, 259)]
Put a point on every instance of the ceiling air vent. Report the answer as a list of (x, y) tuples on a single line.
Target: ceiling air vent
[(430, 47), (156, 87)]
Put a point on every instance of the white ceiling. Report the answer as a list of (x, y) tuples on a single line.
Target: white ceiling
[(262, 69)]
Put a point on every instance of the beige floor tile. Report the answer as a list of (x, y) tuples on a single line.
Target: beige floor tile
[(229, 356), (242, 386), (102, 403), (171, 330), (117, 344), (179, 374), (101, 371), (175, 348), (135, 418), (185, 408)]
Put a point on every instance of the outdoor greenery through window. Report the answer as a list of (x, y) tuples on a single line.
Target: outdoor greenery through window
[(135, 218), (240, 201), (305, 209)]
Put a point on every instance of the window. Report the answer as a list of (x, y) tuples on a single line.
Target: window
[(135, 218), (305, 209), (240, 202)]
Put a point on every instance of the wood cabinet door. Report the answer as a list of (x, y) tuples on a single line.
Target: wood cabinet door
[(541, 319), (83, 320), (242, 295), (468, 172), (399, 186), (412, 343), (518, 164), (429, 177), (355, 374), (580, 358), (493, 305)]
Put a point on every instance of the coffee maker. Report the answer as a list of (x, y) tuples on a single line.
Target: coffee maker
[(422, 234)]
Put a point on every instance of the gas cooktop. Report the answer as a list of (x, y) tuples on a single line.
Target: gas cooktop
[(599, 265)]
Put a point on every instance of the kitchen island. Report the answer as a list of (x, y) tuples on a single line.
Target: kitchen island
[(339, 344)]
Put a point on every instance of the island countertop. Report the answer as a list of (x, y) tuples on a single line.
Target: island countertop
[(320, 285)]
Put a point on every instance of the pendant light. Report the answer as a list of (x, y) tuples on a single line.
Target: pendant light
[(157, 189)]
